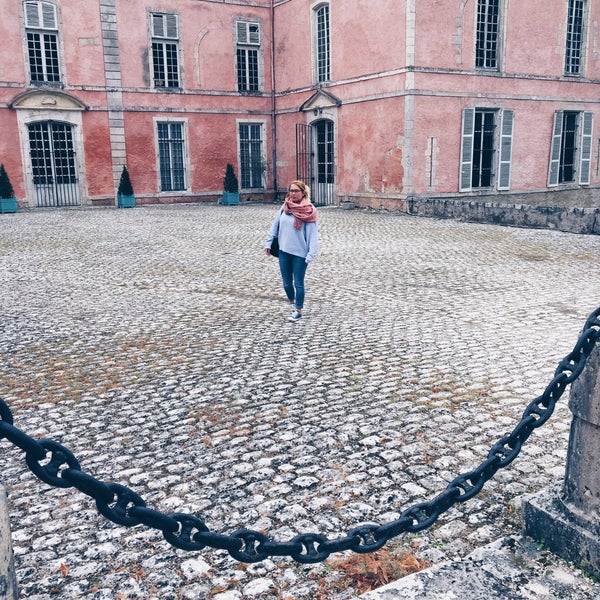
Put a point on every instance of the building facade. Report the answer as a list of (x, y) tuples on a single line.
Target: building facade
[(379, 102)]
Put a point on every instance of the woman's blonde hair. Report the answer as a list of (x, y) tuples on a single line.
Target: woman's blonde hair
[(303, 186)]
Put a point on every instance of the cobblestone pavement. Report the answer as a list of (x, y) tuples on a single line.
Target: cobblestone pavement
[(153, 343)]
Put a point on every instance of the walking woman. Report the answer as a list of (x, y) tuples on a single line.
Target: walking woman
[(296, 228)]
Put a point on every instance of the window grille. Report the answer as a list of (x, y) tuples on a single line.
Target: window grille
[(486, 52), (171, 156), (251, 155)]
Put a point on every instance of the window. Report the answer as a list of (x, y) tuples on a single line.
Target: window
[(252, 167), (42, 42), (247, 56), (171, 153), (571, 150), (486, 51), (575, 30), (480, 146), (165, 50), (322, 40)]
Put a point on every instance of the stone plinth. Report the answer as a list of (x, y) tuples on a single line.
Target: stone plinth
[(567, 520)]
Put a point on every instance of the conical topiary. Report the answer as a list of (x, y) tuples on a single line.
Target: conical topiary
[(125, 187), (6, 188), (230, 182)]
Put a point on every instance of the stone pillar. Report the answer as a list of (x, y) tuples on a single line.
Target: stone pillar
[(567, 520), (8, 584)]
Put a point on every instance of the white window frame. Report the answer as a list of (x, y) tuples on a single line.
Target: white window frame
[(316, 51), (499, 41), (575, 58)]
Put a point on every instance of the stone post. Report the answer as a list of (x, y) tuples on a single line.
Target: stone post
[(567, 520), (8, 585)]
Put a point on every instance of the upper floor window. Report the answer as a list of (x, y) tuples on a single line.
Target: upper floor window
[(488, 32), (247, 56), (322, 44), (42, 42), (575, 31), (165, 50)]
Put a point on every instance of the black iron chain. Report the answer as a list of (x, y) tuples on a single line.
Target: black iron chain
[(56, 465)]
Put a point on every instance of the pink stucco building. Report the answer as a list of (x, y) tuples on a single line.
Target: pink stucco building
[(381, 102)]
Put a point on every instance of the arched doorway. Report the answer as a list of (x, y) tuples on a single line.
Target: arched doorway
[(315, 158)]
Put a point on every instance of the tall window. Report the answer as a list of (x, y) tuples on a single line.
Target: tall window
[(571, 150), (486, 149), (165, 50), (488, 31), (247, 55), (323, 44), (251, 155), (575, 30), (171, 154), (42, 42)]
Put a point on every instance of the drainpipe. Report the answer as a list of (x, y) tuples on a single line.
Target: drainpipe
[(273, 106)]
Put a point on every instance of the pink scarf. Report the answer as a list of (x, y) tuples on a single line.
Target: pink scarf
[(303, 211)]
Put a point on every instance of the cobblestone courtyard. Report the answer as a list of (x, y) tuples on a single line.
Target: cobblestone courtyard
[(153, 343)]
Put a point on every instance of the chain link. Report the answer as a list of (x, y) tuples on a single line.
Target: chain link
[(123, 506)]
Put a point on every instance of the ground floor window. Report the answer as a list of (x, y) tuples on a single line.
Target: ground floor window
[(171, 156), (486, 149), (570, 156), (252, 159)]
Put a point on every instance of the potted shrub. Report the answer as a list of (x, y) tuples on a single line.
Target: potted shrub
[(231, 193), (125, 196), (8, 202)]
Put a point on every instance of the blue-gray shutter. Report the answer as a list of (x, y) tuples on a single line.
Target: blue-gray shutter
[(586, 148), (466, 149), (555, 149), (505, 157)]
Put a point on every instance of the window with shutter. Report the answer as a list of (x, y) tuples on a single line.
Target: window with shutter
[(165, 26), (586, 148), (466, 149), (248, 33), (505, 156), (570, 130), (40, 15)]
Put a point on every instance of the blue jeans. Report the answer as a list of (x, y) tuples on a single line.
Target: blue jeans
[(292, 269)]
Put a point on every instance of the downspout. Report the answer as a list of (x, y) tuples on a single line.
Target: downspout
[(273, 106)]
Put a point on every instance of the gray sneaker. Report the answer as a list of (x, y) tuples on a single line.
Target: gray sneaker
[(295, 316)]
